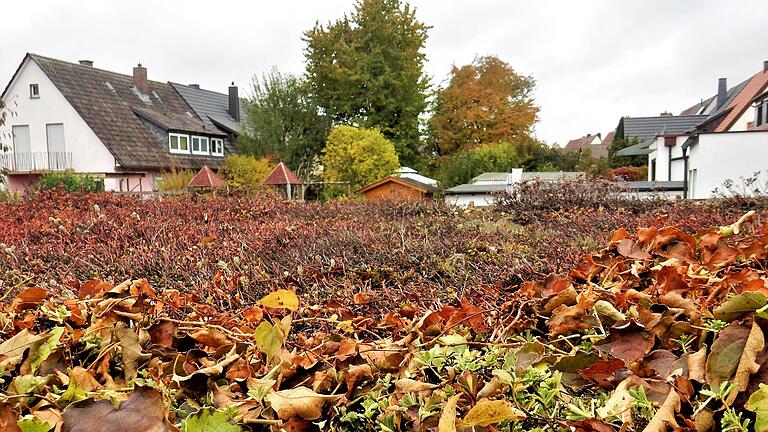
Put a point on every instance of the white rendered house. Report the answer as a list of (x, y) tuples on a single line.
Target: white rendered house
[(125, 129), (722, 139)]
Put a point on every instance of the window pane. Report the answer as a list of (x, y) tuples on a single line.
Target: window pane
[(183, 143), (195, 144), (204, 145), (174, 142)]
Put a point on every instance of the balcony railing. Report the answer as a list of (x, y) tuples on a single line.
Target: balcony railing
[(35, 162)]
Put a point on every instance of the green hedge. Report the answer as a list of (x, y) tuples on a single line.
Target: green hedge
[(71, 182)]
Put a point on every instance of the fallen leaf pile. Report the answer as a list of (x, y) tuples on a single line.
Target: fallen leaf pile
[(662, 330)]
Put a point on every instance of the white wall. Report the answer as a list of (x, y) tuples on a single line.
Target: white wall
[(741, 123), (664, 156), (465, 200), (718, 157), (89, 155)]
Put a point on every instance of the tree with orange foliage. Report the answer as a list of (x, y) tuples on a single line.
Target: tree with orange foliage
[(485, 102)]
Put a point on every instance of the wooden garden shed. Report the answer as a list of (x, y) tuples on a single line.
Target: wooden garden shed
[(399, 189)]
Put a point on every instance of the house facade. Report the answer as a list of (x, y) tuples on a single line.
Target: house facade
[(125, 129), (721, 139), (594, 144)]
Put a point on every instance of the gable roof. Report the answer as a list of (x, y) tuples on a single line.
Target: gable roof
[(650, 127), (212, 107), (108, 103), (206, 178), (578, 143), (608, 140), (281, 175), (405, 181), (743, 99)]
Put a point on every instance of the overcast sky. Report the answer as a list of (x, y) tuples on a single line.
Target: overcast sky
[(593, 61)]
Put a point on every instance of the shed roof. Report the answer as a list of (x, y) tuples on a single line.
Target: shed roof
[(641, 148), (281, 175), (472, 188), (206, 178)]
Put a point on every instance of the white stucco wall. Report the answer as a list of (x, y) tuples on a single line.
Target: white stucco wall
[(89, 155), (465, 200), (664, 157), (718, 157), (741, 123)]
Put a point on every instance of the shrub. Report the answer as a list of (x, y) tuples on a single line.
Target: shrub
[(242, 171), (358, 156), (70, 182), (175, 180), (533, 197), (630, 173)]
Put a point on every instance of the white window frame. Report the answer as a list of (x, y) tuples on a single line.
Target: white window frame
[(765, 111), (219, 145), (200, 140), (178, 137), (34, 91)]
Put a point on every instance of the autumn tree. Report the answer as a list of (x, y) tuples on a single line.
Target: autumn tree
[(284, 122), (367, 70), (485, 102), (358, 156)]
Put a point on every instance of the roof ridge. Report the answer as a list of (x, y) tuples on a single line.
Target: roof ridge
[(33, 56), (197, 88), (670, 116)]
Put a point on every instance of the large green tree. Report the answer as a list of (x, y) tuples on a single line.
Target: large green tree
[(485, 102), (358, 156), (367, 70), (284, 122)]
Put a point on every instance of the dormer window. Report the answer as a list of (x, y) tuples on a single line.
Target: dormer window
[(34, 91), (178, 143), (200, 145)]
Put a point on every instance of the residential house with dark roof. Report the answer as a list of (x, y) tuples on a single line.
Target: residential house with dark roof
[(720, 139), (126, 129), (594, 144)]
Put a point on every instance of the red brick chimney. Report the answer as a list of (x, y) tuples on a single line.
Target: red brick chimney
[(140, 79)]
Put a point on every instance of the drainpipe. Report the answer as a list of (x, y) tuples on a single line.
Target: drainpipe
[(669, 163), (685, 173)]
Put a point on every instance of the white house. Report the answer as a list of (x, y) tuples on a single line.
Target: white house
[(125, 129), (723, 138), (410, 173), (594, 144)]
